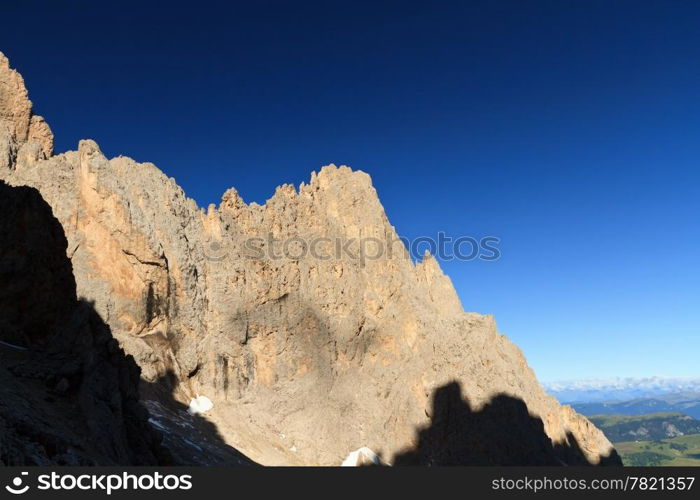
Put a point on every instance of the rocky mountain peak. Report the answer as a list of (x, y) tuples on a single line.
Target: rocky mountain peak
[(18, 125)]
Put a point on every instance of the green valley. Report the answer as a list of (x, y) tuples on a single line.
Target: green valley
[(683, 450)]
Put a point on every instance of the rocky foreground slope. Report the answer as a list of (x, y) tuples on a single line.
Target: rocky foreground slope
[(305, 358)]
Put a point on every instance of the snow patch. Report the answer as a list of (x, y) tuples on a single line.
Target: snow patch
[(361, 456), (199, 405)]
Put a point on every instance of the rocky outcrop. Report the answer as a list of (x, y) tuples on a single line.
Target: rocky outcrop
[(303, 320), (18, 125)]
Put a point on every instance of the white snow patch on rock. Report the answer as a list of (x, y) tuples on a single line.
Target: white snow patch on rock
[(200, 404), (362, 456)]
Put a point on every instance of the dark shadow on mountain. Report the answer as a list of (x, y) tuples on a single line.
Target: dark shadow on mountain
[(501, 433), (69, 395)]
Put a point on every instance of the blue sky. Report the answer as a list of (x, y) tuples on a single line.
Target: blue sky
[(567, 129)]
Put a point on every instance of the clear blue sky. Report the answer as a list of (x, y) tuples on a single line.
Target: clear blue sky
[(568, 129)]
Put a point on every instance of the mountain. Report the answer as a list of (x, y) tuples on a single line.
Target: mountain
[(687, 403), (303, 321), (649, 427), (620, 389)]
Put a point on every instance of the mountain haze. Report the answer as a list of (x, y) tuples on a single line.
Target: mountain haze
[(620, 389)]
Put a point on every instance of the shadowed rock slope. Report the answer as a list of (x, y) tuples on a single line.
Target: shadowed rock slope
[(306, 359), (68, 393)]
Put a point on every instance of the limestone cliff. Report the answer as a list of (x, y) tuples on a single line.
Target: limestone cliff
[(305, 358), (68, 394)]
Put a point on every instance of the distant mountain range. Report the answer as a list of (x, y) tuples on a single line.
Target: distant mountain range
[(652, 421), (653, 439), (687, 403), (620, 389), (650, 427)]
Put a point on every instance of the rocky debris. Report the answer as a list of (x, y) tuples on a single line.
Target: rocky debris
[(305, 355), (191, 439)]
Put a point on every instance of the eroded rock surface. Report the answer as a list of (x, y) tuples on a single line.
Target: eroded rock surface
[(305, 359)]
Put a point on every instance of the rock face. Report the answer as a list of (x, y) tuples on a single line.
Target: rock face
[(309, 341), (68, 393)]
